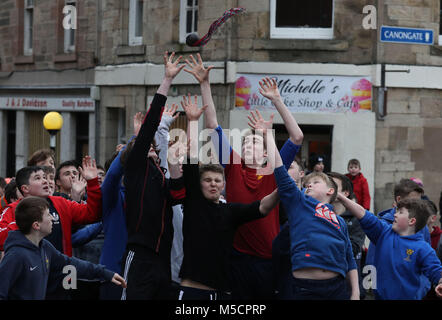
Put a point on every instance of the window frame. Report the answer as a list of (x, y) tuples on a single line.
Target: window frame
[(183, 19), (135, 40), (440, 24), (299, 33), (28, 27)]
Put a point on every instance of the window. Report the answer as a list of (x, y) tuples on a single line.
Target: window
[(69, 33), (28, 27), (311, 19), (188, 18), (135, 22)]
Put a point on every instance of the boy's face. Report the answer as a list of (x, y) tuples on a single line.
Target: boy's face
[(212, 184), (46, 223), (402, 220), (51, 181), (253, 150), (319, 167), (101, 175), (317, 188), (354, 169), (294, 172), (37, 186), (64, 182), (152, 154)]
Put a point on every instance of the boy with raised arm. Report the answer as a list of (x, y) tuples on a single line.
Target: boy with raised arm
[(251, 263), (321, 253), (209, 225), (31, 261), (402, 252), (148, 204)]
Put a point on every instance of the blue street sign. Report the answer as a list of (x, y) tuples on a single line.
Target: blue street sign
[(406, 35)]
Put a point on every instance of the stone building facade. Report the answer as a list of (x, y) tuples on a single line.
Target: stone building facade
[(119, 66)]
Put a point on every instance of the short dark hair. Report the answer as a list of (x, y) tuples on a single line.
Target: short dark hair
[(2, 182), (432, 206), (212, 167), (347, 185), (405, 187), (68, 163), (126, 152), (29, 210), (40, 155), (354, 162), (22, 176), (418, 209), (48, 169), (11, 191)]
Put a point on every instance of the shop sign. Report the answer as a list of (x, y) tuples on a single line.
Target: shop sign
[(307, 93), (46, 104)]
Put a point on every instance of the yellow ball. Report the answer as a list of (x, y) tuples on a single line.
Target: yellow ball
[(53, 121)]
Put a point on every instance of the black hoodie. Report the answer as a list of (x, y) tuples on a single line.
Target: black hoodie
[(148, 198), (26, 269)]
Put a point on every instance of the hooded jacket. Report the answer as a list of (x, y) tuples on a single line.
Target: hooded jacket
[(26, 269), (360, 189), (70, 212), (148, 200), (402, 261)]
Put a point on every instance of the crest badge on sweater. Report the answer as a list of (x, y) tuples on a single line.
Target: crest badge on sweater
[(324, 212), (409, 253)]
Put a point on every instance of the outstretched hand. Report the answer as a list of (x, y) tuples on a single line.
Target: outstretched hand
[(138, 121), (438, 290), (171, 111), (88, 168), (257, 122), (269, 89), (191, 109), (119, 280), (172, 68), (197, 69), (78, 188)]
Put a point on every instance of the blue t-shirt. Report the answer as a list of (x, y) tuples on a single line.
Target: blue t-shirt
[(319, 237)]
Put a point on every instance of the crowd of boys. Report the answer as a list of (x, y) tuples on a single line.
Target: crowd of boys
[(156, 214)]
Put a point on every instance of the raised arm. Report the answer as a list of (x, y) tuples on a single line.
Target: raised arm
[(257, 122), (162, 134), (171, 71), (201, 74), (139, 154), (354, 208), (269, 89), (269, 202), (193, 113)]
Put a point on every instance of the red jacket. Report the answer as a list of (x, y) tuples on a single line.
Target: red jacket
[(435, 236), (360, 189), (70, 212)]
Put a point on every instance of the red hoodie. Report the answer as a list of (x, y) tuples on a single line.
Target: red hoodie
[(360, 189), (70, 212), (435, 236)]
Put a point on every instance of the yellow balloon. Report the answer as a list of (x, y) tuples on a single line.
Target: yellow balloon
[(53, 121)]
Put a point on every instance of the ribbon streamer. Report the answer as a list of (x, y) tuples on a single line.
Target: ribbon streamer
[(193, 40)]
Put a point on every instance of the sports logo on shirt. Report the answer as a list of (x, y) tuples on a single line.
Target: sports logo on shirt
[(324, 212), (409, 253)]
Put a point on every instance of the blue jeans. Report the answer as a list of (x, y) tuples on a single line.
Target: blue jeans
[(330, 289)]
